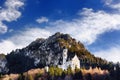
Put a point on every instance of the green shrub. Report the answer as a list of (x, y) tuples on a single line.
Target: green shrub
[(55, 71), (30, 77)]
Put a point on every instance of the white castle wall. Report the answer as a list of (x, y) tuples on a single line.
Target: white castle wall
[(75, 62)]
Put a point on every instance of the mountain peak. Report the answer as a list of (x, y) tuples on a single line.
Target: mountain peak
[(47, 52), (60, 35), (57, 34)]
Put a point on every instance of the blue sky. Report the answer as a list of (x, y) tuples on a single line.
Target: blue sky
[(93, 22)]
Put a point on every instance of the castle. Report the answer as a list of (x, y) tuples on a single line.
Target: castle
[(69, 61)]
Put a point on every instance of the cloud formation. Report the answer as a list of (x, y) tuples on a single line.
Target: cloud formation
[(22, 39), (88, 28), (112, 54), (9, 12), (113, 4), (42, 20)]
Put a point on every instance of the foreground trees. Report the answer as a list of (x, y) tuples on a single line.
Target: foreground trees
[(56, 73)]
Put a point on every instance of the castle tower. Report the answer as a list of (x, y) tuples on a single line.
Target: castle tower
[(64, 65), (64, 55)]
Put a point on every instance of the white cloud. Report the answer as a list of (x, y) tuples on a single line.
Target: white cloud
[(22, 39), (11, 30), (86, 29), (113, 4), (42, 20), (117, 6), (3, 28), (112, 54), (9, 13), (28, 35), (89, 27), (7, 46)]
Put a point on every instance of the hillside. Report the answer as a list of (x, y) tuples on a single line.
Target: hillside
[(48, 52)]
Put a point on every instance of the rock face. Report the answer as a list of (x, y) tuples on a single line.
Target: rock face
[(3, 62), (47, 52), (40, 53)]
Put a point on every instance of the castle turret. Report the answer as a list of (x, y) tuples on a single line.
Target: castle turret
[(65, 51)]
